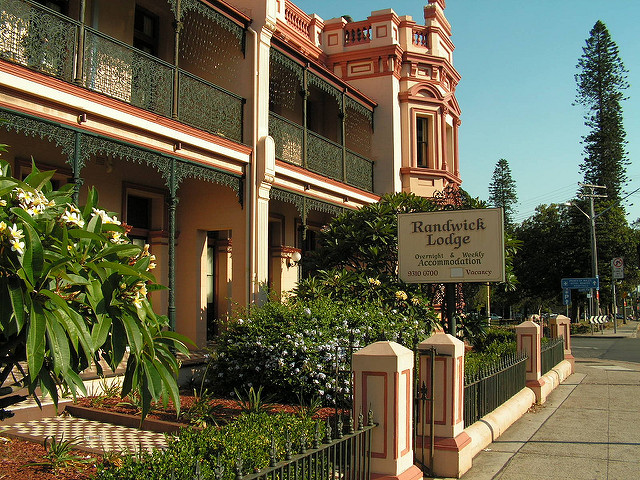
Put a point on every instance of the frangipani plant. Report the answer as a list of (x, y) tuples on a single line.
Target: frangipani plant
[(73, 290)]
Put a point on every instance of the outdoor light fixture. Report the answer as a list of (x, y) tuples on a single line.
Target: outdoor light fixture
[(294, 258), (82, 118)]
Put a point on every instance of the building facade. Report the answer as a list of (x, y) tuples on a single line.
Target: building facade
[(227, 133)]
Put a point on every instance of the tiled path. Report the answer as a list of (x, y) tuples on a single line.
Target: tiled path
[(87, 435)]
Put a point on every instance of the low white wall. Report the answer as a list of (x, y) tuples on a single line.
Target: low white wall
[(494, 424)]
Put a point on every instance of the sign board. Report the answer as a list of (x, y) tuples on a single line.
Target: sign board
[(451, 246), (617, 267), (566, 296), (581, 283)]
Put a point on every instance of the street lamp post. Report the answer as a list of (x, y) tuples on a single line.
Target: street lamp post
[(592, 225)]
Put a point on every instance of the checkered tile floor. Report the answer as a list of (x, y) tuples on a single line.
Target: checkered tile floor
[(87, 435)]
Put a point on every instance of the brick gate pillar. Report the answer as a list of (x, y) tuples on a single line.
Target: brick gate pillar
[(451, 456), (561, 327), (528, 341), (383, 382)]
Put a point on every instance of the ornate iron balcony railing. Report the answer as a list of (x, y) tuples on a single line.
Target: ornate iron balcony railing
[(44, 40), (321, 155)]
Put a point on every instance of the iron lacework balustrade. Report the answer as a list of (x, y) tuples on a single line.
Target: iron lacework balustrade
[(322, 155), (492, 386), (551, 354), (291, 114), (44, 40)]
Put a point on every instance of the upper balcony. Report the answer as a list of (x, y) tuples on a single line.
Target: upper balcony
[(131, 68), (318, 125)]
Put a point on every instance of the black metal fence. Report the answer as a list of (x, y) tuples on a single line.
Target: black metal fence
[(345, 455), (551, 353), (492, 386)]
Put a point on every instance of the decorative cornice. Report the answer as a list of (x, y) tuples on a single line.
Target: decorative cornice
[(430, 173)]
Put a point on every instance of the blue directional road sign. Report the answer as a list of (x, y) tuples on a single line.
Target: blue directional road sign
[(586, 283), (566, 296)]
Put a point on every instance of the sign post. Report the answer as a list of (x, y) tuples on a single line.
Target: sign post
[(617, 272)]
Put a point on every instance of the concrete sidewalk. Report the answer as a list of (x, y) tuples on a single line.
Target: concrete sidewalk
[(589, 428)]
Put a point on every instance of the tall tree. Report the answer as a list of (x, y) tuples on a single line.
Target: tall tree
[(502, 191), (601, 81)]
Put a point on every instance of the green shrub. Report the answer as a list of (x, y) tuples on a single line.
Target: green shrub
[(249, 439), (497, 343), (291, 349)]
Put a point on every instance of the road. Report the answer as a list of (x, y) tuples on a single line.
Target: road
[(606, 348)]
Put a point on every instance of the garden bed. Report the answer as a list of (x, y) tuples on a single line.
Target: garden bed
[(165, 419)]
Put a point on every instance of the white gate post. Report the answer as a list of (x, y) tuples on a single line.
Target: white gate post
[(451, 456), (383, 382)]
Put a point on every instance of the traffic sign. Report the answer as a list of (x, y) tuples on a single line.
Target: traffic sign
[(617, 267), (566, 296), (589, 282)]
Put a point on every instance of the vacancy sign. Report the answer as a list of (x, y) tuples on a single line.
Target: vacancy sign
[(451, 246), (617, 267)]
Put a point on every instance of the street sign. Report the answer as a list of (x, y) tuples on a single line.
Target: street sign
[(617, 267), (589, 282), (566, 296)]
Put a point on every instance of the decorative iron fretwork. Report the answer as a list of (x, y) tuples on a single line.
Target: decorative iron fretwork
[(323, 207), (278, 57), (450, 198), (208, 48), (359, 171), (37, 38), (92, 146), (305, 204), (325, 86), (208, 107), (210, 13), (358, 108), (288, 139), (61, 136), (286, 196), (191, 170), (286, 82), (324, 157), (122, 72), (358, 131)]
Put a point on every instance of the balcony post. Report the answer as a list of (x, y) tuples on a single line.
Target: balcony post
[(173, 202), (176, 54), (305, 96), (80, 45), (343, 130), (76, 167)]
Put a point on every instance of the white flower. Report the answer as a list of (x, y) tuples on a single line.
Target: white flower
[(3, 203), (15, 233), (72, 216), (3, 227), (17, 246), (104, 216), (137, 301)]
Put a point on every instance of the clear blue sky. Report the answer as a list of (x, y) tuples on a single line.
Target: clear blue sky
[(518, 59)]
